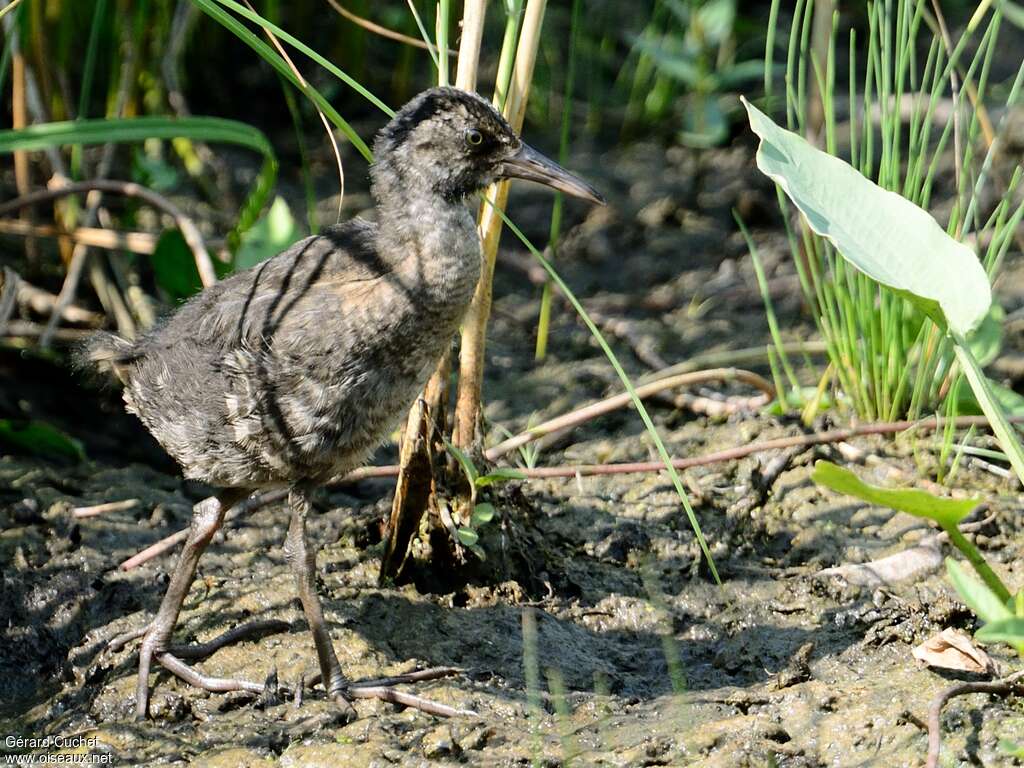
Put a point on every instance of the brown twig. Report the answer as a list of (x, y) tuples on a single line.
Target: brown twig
[(169, 542), (377, 29), (609, 404), (191, 233), (27, 330), (587, 470), (143, 243), (101, 509), (1003, 687)]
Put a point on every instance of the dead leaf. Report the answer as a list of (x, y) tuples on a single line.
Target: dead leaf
[(952, 649)]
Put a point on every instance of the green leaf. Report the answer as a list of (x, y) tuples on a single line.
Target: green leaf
[(464, 461), (175, 266), (979, 598), (122, 130), (499, 475), (946, 512), (482, 513), (270, 235), (987, 339), (40, 438), (883, 234), (477, 550), (1010, 631), (467, 536), (1010, 401)]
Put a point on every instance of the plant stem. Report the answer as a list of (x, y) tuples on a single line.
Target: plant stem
[(981, 566), (474, 328)]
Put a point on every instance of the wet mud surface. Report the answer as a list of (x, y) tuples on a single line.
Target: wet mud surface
[(641, 658)]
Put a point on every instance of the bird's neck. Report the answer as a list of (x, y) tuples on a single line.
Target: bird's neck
[(429, 240)]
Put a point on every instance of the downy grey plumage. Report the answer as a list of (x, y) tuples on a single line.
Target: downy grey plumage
[(293, 371)]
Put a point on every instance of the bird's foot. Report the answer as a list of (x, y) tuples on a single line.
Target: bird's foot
[(155, 646), (383, 688)]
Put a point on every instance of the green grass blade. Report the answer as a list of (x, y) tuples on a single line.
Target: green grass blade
[(123, 130), (626, 382), (272, 57)]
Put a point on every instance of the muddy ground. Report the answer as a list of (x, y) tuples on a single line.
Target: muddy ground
[(642, 659)]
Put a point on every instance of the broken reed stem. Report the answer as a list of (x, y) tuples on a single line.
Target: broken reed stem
[(835, 436), (613, 403), (143, 243), (474, 328), (19, 120)]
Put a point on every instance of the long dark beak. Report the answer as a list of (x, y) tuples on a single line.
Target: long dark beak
[(531, 165)]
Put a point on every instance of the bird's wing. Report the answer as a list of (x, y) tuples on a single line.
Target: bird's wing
[(253, 306)]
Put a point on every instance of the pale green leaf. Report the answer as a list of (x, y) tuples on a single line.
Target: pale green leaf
[(467, 536), (913, 501), (979, 598), (883, 234), (1009, 631), (482, 513), (464, 461), (271, 234)]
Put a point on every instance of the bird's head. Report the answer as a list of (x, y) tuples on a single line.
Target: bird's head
[(455, 143)]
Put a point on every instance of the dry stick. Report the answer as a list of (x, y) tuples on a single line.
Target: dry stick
[(8, 297), (377, 29), (109, 295), (43, 302), (249, 505), (474, 327), (22, 329), (100, 509), (1003, 687), (193, 238), (581, 470), (136, 242), (19, 120), (609, 404)]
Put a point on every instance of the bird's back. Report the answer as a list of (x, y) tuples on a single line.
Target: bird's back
[(294, 369)]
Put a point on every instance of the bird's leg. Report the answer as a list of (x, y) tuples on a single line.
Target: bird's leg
[(303, 562), (207, 517)]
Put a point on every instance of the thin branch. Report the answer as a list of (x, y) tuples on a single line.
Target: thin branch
[(609, 404), (1004, 687), (245, 507), (587, 470), (193, 238), (377, 29)]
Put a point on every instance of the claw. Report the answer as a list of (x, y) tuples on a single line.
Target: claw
[(348, 712)]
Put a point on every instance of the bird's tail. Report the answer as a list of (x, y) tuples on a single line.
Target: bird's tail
[(106, 351)]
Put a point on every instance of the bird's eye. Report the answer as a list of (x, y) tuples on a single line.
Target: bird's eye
[(474, 138)]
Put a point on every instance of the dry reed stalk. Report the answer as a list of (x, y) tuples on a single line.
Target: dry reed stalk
[(474, 328)]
